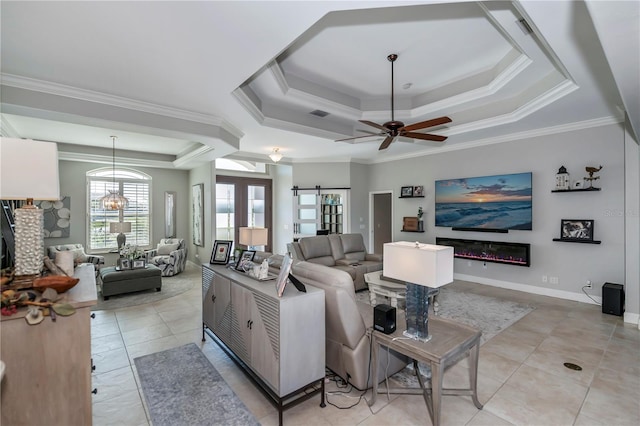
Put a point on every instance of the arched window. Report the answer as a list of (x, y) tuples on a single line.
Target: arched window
[(134, 185)]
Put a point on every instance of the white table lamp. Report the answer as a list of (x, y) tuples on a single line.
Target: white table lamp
[(252, 237), (423, 267), (29, 172)]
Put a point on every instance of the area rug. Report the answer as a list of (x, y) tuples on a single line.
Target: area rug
[(488, 314), (171, 286), (181, 387)]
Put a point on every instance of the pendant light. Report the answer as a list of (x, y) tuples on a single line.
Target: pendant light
[(113, 200), (275, 155)]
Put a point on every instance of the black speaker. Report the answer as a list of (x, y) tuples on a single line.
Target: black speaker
[(384, 318), (613, 299)]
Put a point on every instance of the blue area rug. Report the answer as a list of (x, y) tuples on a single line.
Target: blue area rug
[(181, 387)]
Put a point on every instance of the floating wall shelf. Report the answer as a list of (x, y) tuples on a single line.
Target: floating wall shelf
[(577, 241), (576, 190)]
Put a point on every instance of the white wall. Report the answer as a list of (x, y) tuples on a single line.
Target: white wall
[(573, 264), (73, 184), (205, 174), (282, 232)]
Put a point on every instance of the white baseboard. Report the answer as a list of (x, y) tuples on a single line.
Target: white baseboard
[(560, 294)]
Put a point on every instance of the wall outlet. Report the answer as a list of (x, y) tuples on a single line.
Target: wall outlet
[(589, 285), (545, 279), (553, 280)]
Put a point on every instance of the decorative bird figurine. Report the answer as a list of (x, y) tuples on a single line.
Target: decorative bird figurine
[(591, 171)]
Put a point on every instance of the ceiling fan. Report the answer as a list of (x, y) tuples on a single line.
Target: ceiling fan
[(392, 129)]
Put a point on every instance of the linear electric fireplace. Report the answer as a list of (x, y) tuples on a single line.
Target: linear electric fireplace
[(489, 251)]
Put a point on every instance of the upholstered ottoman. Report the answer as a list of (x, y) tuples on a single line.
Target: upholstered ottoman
[(130, 280)]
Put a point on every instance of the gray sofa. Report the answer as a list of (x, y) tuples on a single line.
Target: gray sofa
[(345, 252), (348, 323)]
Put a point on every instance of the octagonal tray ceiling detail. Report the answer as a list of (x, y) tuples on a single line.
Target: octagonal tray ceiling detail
[(499, 76)]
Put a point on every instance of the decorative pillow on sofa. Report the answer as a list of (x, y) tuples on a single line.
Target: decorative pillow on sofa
[(79, 256), (64, 261), (166, 249)]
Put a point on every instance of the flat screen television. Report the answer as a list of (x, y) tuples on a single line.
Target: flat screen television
[(500, 202)]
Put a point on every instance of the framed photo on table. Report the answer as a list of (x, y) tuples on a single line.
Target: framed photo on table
[(124, 263), (138, 264), (221, 252), (245, 256)]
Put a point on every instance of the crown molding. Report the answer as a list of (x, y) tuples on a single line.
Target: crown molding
[(58, 89), (121, 161), (184, 160), (249, 106), (6, 129)]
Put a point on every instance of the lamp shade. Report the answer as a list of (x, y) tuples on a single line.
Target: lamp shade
[(423, 264), (254, 236), (29, 170), (119, 227)]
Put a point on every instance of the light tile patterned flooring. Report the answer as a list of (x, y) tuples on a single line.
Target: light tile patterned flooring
[(522, 380)]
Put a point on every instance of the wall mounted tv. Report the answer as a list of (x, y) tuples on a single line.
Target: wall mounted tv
[(489, 203)]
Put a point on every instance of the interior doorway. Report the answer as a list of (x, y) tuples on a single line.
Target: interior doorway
[(381, 211)]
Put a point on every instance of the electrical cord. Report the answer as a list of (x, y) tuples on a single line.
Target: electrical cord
[(589, 296)]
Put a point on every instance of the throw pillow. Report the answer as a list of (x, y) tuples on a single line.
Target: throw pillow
[(79, 256), (64, 261), (166, 249)]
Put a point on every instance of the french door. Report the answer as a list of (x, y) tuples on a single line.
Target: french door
[(240, 202)]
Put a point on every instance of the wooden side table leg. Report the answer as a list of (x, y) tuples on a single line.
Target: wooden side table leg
[(374, 368), (436, 391), (473, 374)]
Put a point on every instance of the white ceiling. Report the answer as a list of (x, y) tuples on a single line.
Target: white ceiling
[(192, 81)]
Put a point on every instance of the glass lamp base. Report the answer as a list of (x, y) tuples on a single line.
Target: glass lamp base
[(417, 312), (417, 337)]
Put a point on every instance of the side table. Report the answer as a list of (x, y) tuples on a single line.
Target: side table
[(449, 341)]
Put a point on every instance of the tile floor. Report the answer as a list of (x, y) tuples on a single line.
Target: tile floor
[(522, 380)]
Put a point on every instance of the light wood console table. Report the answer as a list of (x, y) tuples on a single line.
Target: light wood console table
[(48, 365), (450, 339)]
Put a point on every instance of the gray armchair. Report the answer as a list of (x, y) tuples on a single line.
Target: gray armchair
[(170, 256), (79, 256)]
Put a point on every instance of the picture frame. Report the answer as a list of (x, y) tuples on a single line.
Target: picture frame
[(406, 191), (221, 252), (197, 205), (418, 191), (124, 263), (576, 229), (283, 276), (138, 264), (170, 214), (245, 256), (410, 223)]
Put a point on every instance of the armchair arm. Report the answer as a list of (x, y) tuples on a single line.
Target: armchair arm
[(148, 254), (95, 259), (373, 257)]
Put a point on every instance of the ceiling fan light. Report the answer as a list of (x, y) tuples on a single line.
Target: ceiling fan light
[(275, 155)]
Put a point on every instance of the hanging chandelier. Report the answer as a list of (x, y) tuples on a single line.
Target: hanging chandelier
[(113, 200), (275, 155)]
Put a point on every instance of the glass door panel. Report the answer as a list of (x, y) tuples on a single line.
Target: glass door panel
[(255, 209), (225, 211)]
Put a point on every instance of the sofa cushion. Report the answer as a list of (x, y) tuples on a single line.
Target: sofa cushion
[(317, 250), (166, 249)]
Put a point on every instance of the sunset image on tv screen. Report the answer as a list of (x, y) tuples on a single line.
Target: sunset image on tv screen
[(489, 202)]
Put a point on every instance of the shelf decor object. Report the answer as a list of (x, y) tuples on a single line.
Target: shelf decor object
[(410, 224), (406, 192), (120, 228), (577, 231), (29, 171), (424, 268), (562, 179), (591, 171)]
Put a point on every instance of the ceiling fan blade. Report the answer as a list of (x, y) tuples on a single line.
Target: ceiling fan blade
[(371, 133), (425, 124), (371, 123), (358, 137), (385, 144), (424, 136)]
